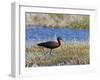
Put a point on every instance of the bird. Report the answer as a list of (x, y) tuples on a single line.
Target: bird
[(51, 44)]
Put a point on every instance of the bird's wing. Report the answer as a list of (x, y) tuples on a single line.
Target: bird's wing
[(49, 44)]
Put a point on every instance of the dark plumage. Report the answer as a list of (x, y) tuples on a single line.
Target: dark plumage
[(51, 44)]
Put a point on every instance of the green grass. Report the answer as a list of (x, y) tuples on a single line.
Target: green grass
[(66, 54), (58, 20)]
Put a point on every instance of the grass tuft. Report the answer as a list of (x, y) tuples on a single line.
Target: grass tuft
[(66, 54)]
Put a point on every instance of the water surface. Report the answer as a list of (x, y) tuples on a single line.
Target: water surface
[(38, 33)]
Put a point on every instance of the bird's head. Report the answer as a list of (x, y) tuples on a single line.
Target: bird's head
[(59, 39)]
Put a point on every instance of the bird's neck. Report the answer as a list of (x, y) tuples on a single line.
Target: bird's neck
[(59, 42)]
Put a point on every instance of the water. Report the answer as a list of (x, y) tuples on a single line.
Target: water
[(37, 34)]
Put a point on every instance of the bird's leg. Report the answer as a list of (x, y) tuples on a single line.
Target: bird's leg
[(50, 51)]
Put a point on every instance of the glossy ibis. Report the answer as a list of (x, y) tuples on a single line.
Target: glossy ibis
[(51, 44)]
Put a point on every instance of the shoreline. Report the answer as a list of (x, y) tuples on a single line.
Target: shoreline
[(30, 44), (68, 27)]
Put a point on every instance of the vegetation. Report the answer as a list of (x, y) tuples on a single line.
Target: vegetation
[(58, 20), (67, 54)]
